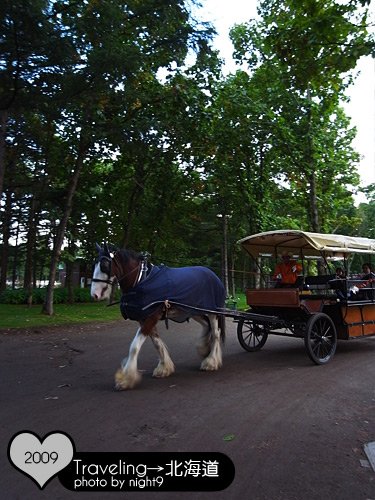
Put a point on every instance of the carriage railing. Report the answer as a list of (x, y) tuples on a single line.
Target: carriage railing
[(351, 289), (303, 283), (360, 289)]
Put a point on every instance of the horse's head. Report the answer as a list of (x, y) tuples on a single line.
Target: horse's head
[(127, 266), (103, 275)]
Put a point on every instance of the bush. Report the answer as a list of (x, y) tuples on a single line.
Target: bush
[(60, 296), (13, 296), (82, 295)]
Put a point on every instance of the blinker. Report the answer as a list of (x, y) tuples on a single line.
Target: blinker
[(105, 265)]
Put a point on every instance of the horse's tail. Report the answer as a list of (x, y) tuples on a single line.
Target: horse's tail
[(221, 322)]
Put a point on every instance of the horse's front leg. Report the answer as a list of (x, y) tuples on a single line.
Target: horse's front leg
[(165, 366), (128, 375)]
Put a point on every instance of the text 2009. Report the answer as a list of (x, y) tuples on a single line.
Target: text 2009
[(41, 458)]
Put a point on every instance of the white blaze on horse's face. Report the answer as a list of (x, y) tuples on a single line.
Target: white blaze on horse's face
[(100, 290)]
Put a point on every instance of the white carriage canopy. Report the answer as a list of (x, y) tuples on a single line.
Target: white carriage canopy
[(306, 244)]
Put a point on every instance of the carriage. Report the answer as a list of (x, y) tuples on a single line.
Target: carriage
[(319, 308)]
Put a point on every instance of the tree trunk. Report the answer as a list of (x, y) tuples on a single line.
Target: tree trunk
[(69, 267), (29, 267), (133, 199), (59, 240), (6, 235), (233, 274), (16, 253), (69, 279), (225, 250), (314, 211), (3, 127), (310, 164)]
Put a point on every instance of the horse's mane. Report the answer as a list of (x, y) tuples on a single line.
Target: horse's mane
[(127, 254)]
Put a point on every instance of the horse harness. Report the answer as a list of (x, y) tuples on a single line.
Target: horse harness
[(105, 264)]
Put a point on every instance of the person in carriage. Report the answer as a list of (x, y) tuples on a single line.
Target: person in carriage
[(364, 290), (287, 271), (339, 274)]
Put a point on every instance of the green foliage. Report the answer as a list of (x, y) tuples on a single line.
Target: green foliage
[(164, 144), (300, 52), (20, 296), (366, 213), (13, 296), (315, 42)]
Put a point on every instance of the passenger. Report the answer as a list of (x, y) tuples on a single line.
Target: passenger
[(368, 279), (340, 286), (340, 274), (368, 275), (287, 271)]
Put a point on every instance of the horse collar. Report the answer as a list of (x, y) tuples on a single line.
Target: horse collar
[(142, 272)]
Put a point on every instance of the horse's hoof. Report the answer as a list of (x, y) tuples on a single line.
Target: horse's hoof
[(123, 381), (208, 365), (163, 371)]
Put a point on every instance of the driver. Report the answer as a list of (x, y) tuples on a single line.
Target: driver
[(287, 271)]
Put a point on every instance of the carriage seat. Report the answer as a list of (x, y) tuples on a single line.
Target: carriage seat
[(319, 286), (319, 282)]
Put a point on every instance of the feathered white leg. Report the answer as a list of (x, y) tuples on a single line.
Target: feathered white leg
[(204, 345), (214, 360), (128, 375), (165, 366)]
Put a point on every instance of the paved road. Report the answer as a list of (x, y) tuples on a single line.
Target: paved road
[(297, 430)]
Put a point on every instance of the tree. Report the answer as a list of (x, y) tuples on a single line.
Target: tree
[(367, 214), (90, 106), (309, 45), (34, 48)]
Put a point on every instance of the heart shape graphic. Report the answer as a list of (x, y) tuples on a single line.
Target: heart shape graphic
[(41, 460)]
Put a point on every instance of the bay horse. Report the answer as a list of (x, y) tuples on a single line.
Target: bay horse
[(152, 293)]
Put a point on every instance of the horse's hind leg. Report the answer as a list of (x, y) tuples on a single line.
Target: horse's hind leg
[(165, 366), (204, 345), (128, 375), (214, 359)]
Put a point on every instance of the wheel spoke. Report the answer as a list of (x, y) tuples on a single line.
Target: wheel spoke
[(247, 338), (251, 336)]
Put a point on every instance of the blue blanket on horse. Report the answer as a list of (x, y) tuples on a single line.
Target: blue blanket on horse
[(192, 286)]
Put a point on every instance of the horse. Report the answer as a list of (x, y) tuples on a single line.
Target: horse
[(152, 293)]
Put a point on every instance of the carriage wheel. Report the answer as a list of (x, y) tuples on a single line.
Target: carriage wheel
[(320, 338), (252, 336)]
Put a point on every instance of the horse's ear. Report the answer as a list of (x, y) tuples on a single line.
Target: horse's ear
[(106, 250), (112, 248), (98, 247)]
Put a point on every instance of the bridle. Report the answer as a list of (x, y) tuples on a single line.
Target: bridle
[(108, 281), (141, 274)]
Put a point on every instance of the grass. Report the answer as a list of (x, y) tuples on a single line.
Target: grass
[(21, 316), (240, 299)]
